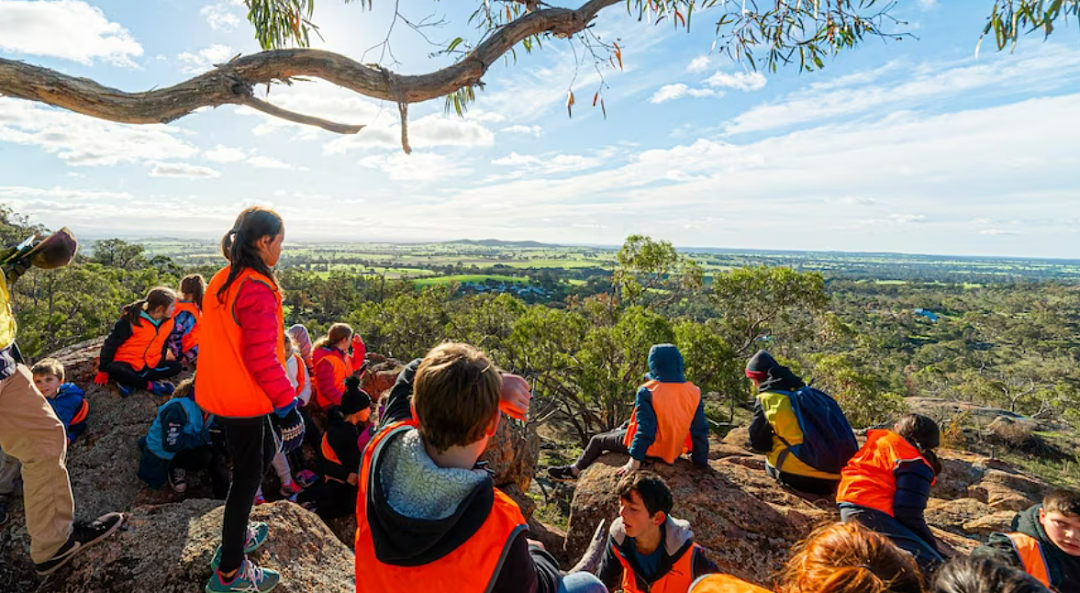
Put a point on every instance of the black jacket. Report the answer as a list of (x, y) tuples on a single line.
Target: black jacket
[(407, 541), (1064, 569), (677, 541), (342, 438)]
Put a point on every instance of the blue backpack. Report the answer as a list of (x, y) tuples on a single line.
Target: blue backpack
[(828, 441)]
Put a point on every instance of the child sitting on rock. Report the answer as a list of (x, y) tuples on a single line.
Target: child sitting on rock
[(648, 549), (135, 354), (67, 399), (886, 486), (984, 575), (849, 558), (428, 517), (1045, 542), (333, 362), (668, 420), (184, 341), (181, 440), (346, 426)]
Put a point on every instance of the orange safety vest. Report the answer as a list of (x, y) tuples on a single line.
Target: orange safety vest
[(676, 580), (868, 480), (1031, 556), (191, 339), (226, 387), (724, 583), (301, 373), (341, 372), (146, 346), (328, 451), (84, 411), (472, 568), (675, 405)]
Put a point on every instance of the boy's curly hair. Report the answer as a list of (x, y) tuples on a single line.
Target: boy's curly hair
[(455, 395)]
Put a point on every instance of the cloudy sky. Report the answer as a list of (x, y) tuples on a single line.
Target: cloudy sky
[(915, 146)]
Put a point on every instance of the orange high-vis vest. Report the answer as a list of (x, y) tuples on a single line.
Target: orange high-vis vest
[(226, 387), (328, 451), (1031, 556), (724, 583), (146, 346), (868, 480), (341, 372), (191, 339), (84, 411), (675, 405), (301, 373), (676, 580), (472, 568)]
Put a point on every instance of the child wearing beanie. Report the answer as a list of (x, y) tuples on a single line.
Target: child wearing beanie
[(340, 451)]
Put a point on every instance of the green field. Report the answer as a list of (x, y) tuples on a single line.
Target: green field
[(463, 278)]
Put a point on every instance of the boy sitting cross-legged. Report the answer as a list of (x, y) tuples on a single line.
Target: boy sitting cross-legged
[(1045, 542), (428, 517), (648, 549)]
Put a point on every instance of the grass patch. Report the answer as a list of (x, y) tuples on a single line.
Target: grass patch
[(463, 278)]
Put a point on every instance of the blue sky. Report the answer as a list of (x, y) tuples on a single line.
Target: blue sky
[(909, 146)]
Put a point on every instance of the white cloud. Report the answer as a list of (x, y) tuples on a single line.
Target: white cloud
[(670, 92), (204, 59), (530, 130), (84, 141), (62, 193), (998, 232), (224, 154), (183, 170), (222, 16), (426, 132), (740, 81), (928, 4), (265, 162), (418, 166), (65, 29), (559, 163), (699, 64)]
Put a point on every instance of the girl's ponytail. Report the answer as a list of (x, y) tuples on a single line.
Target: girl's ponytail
[(131, 311), (922, 432)]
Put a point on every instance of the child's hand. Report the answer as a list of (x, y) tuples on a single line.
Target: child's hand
[(353, 479), (102, 378), (515, 397), (169, 356), (631, 466)]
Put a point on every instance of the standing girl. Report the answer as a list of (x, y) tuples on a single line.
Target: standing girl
[(135, 354), (242, 380), (886, 486), (184, 341)]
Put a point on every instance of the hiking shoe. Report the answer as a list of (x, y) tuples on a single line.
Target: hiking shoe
[(83, 535), (561, 473), (249, 578), (256, 536), (178, 480), (161, 388), (289, 490), (125, 390), (306, 478)]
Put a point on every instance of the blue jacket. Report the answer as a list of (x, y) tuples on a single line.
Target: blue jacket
[(179, 425), (67, 403), (666, 366)]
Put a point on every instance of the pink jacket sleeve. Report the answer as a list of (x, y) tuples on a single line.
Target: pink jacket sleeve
[(358, 354), (328, 387), (256, 310)]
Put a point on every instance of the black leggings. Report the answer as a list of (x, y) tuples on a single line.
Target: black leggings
[(124, 373), (602, 443), (252, 445)]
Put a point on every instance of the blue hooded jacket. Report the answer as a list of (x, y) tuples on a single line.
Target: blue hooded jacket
[(66, 404), (666, 366)]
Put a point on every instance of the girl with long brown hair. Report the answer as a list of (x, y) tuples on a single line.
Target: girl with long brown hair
[(135, 354)]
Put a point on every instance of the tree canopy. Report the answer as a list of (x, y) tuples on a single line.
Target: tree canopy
[(800, 33)]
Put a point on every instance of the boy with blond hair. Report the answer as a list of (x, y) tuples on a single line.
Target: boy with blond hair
[(67, 399), (427, 512), (1045, 542)]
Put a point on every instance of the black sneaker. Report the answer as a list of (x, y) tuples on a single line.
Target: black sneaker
[(178, 480), (561, 473), (83, 535)]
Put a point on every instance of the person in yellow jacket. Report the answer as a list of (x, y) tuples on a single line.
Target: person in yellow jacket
[(31, 433)]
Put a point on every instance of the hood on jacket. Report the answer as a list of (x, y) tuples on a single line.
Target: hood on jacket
[(677, 536), (419, 512), (781, 379), (665, 364)]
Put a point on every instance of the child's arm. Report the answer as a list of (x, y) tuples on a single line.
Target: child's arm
[(120, 333), (646, 425), (256, 310), (399, 403), (761, 432), (699, 435), (527, 569), (359, 353), (701, 565), (913, 481)]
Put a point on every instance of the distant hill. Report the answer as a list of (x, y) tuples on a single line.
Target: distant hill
[(498, 243)]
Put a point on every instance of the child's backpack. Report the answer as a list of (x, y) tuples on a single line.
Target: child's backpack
[(828, 441)]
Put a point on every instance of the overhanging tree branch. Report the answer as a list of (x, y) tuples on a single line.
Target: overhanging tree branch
[(232, 83)]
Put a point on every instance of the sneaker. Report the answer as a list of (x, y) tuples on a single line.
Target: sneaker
[(306, 478), (125, 390), (161, 388), (260, 499), (256, 536), (178, 480), (561, 473), (289, 490), (249, 578), (83, 535)]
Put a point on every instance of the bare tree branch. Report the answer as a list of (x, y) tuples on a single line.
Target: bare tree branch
[(232, 82), (270, 109)]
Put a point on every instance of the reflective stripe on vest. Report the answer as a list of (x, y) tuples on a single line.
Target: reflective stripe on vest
[(146, 346), (7, 316), (341, 371), (1031, 556), (472, 568), (226, 387), (868, 480), (190, 339), (724, 583), (675, 405), (676, 580), (80, 416)]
